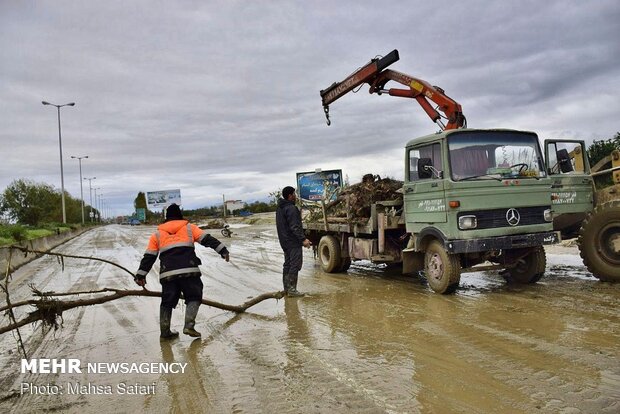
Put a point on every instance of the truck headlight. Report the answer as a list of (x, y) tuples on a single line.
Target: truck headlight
[(548, 215), (468, 222)]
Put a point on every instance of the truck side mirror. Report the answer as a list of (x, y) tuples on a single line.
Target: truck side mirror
[(423, 168), (564, 161)]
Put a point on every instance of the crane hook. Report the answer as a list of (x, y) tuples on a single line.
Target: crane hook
[(326, 110)]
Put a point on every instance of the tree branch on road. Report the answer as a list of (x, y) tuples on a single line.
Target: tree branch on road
[(49, 309)]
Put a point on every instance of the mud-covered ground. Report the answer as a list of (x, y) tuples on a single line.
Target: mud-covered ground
[(363, 342)]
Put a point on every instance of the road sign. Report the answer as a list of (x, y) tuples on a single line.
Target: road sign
[(141, 214)]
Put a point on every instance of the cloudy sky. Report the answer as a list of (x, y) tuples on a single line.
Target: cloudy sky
[(222, 97)]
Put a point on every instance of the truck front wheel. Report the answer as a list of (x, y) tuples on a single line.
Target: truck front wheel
[(329, 254), (442, 270), (527, 269)]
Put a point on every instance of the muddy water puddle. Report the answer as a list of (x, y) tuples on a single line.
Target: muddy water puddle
[(370, 341)]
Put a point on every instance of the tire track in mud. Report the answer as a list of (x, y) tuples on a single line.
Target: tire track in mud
[(554, 376), (286, 376), (46, 273), (465, 333)]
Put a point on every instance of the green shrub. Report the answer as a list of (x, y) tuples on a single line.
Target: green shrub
[(12, 233), (18, 233)]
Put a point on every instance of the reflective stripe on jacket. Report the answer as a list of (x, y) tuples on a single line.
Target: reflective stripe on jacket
[(174, 243)]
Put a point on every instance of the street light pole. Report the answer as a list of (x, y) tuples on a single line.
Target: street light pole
[(96, 202), (81, 191), (100, 209), (90, 190), (62, 177)]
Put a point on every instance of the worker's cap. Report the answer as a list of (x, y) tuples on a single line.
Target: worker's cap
[(173, 212)]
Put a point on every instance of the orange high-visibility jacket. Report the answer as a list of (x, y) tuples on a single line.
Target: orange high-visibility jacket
[(174, 243)]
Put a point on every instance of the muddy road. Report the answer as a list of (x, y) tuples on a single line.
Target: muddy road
[(370, 341)]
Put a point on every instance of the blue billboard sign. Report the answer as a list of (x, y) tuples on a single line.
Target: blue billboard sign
[(312, 185)]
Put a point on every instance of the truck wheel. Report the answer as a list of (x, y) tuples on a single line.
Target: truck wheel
[(599, 241), (329, 254), (443, 270), (528, 269), (345, 264)]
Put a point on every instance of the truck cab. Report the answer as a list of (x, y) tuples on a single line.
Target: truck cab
[(474, 196)]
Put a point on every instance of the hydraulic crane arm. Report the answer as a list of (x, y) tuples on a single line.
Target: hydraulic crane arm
[(363, 74), (377, 76)]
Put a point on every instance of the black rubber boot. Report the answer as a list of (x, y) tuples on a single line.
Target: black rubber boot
[(286, 282), (191, 310), (292, 286), (165, 315)]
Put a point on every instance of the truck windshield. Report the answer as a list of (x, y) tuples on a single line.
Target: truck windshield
[(493, 155)]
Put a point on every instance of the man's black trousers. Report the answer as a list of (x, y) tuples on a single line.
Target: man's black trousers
[(171, 289), (293, 259)]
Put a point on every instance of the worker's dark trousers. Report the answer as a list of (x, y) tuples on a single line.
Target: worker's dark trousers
[(190, 286), (293, 259)]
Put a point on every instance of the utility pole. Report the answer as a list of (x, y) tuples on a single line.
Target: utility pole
[(90, 189), (224, 205), (62, 175), (81, 191)]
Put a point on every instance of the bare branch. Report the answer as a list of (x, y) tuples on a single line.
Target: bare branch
[(47, 310), (61, 255)]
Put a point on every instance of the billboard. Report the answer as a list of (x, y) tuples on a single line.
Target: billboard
[(162, 199), (311, 185)]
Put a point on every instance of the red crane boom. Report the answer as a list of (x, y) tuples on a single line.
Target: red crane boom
[(375, 74)]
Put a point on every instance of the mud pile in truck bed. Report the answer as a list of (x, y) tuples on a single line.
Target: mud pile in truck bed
[(353, 203)]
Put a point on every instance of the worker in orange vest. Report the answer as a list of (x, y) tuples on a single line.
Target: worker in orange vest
[(178, 272)]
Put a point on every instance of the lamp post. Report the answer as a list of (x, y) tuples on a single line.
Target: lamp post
[(81, 191), (62, 178), (98, 214), (90, 190), (100, 208)]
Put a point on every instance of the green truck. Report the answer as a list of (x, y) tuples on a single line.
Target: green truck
[(471, 197)]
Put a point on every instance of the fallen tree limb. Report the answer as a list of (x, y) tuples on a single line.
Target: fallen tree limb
[(48, 309), (61, 255)]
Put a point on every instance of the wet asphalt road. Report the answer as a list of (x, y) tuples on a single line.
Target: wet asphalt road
[(370, 341)]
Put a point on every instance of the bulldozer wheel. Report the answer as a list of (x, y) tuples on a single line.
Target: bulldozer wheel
[(599, 241), (329, 254), (529, 269), (442, 270)]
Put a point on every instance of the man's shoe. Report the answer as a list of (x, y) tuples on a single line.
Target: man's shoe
[(169, 335), (294, 293), (191, 332)]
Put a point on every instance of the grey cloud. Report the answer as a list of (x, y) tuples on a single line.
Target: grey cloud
[(223, 96)]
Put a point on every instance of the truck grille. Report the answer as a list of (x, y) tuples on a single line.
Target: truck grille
[(489, 219)]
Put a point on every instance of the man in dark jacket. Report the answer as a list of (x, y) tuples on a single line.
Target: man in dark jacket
[(292, 238), (178, 271)]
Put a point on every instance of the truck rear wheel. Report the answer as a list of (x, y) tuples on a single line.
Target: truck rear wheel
[(345, 264), (329, 254), (528, 269), (599, 241), (442, 270)]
